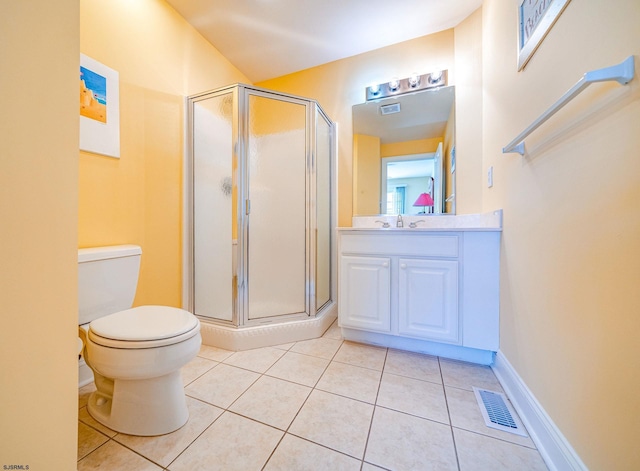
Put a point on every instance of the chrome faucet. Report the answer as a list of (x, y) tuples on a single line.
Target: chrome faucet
[(385, 224), (399, 222), (414, 224)]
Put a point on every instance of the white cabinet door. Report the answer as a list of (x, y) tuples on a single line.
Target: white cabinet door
[(364, 301), (428, 304)]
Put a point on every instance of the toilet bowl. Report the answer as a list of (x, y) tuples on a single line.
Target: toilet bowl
[(135, 354)]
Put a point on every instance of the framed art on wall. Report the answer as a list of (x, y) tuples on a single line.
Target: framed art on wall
[(535, 19), (99, 108)]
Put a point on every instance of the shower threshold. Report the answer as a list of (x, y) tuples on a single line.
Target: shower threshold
[(269, 335)]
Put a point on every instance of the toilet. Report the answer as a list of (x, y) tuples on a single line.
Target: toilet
[(135, 353)]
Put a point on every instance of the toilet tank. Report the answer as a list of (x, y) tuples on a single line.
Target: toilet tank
[(107, 280)]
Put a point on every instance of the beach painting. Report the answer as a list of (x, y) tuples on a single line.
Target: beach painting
[(93, 95), (99, 108)]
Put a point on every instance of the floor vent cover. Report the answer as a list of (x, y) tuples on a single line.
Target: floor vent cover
[(498, 413)]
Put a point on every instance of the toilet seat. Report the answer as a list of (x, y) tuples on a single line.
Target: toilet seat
[(144, 327)]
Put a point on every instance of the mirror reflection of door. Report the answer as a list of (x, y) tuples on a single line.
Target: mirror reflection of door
[(403, 179)]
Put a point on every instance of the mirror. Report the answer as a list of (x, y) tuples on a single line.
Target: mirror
[(404, 147)]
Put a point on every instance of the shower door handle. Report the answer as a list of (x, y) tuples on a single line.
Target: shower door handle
[(247, 207)]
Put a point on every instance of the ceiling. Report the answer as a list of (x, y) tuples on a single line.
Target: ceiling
[(270, 38)]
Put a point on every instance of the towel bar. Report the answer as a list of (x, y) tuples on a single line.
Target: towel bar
[(621, 73)]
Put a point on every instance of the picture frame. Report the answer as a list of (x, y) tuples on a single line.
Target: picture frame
[(99, 108), (535, 19)]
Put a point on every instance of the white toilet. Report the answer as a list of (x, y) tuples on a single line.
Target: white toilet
[(135, 354)]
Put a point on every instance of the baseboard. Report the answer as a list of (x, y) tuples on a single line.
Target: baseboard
[(455, 352), (556, 451), (85, 375)]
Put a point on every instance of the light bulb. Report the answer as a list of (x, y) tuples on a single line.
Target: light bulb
[(434, 77), (394, 83), (414, 80)]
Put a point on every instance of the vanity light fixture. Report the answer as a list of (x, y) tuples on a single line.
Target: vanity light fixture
[(415, 82)]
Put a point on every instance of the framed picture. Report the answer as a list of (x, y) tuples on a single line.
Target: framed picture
[(99, 108), (535, 19)]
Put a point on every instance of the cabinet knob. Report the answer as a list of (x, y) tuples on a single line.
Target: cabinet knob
[(385, 264), (403, 265)]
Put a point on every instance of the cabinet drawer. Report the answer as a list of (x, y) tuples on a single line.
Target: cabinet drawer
[(445, 245)]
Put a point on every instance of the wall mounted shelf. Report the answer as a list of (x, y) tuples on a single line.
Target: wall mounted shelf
[(621, 73)]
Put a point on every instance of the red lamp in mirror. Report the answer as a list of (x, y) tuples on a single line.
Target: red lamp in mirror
[(424, 200)]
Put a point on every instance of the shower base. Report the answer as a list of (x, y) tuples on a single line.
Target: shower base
[(246, 338)]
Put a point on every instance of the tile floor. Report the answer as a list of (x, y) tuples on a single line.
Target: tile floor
[(322, 404)]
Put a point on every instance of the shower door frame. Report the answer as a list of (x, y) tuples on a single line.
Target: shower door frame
[(240, 139)]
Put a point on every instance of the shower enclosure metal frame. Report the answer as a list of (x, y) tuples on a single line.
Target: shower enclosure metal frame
[(239, 153)]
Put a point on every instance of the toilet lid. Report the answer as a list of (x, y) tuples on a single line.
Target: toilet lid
[(144, 323)]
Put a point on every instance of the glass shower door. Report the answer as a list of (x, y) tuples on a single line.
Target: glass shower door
[(276, 214), (214, 202)]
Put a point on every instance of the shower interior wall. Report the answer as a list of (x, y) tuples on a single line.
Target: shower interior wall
[(260, 206)]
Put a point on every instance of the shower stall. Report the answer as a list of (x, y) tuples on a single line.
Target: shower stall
[(260, 217)]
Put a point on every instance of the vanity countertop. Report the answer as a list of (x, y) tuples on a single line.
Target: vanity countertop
[(491, 221)]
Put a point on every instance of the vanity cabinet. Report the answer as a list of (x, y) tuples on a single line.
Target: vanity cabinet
[(429, 291), (366, 300), (428, 299)]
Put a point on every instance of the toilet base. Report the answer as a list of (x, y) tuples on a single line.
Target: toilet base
[(154, 406)]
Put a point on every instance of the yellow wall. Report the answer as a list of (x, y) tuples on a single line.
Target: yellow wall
[(419, 146), (39, 60), (138, 198), (468, 65), (339, 85), (571, 242), (366, 171)]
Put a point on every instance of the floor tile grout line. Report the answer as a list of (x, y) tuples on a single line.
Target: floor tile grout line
[(197, 437), (446, 400), (136, 452), (373, 414), (273, 451), (322, 446), (113, 439), (358, 366), (217, 363), (412, 415), (94, 450), (475, 432), (413, 377), (313, 388)]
